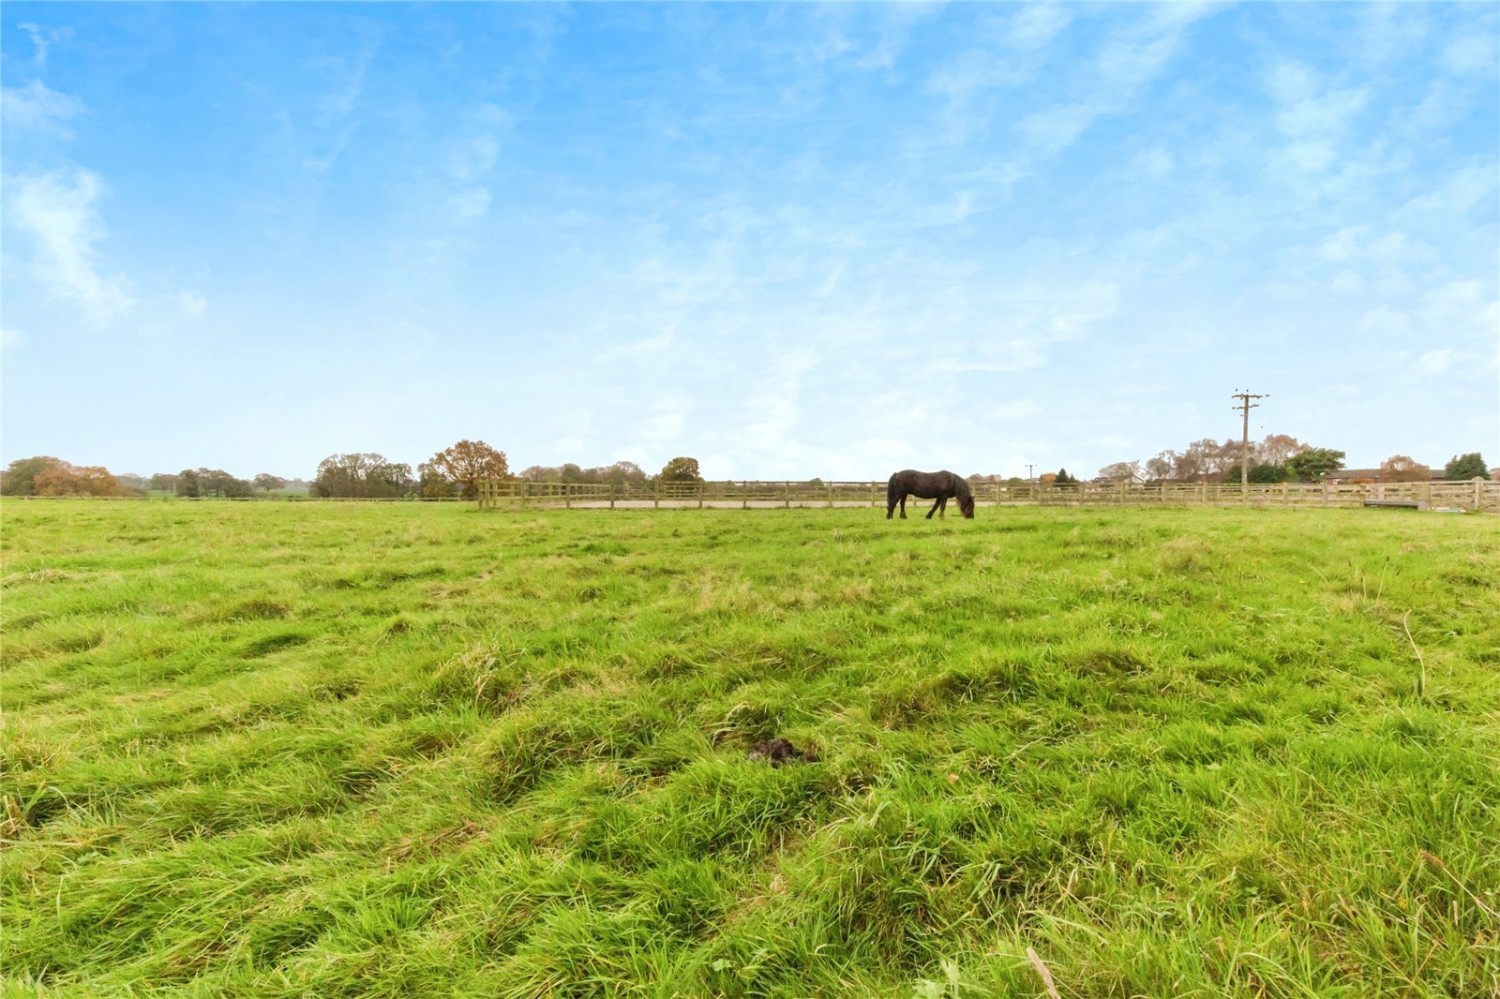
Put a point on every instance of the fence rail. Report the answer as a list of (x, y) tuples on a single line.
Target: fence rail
[(1474, 495)]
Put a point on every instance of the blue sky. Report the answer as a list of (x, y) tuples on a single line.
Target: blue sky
[(790, 241)]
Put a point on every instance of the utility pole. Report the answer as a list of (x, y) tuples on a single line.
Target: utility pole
[(1245, 405), (1029, 467)]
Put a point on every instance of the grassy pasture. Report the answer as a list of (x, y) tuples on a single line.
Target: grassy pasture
[(316, 750)]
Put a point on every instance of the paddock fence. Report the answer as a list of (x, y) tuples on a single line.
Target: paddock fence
[(1475, 495)]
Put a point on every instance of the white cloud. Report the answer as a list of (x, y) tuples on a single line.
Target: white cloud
[(1385, 321), (1444, 106), (663, 429), (42, 39), (1435, 362), (59, 211), (1344, 244), (777, 399), (638, 348), (34, 106), (1385, 33), (1466, 189), (333, 119), (347, 81), (1308, 109), (1155, 162), (192, 304), (1347, 281), (473, 157), (1035, 25), (1128, 61), (1473, 54), (1054, 129), (12, 338), (1011, 412), (469, 205)]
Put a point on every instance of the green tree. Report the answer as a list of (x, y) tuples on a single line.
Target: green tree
[(360, 475), (467, 462), (185, 484), (681, 470), (164, 482), (1315, 464), (433, 484), (19, 477), (1466, 466), (389, 479), (1269, 471), (624, 474), (1064, 479), (199, 483), (266, 482)]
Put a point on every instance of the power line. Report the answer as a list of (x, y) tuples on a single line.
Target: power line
[(1245, 405)]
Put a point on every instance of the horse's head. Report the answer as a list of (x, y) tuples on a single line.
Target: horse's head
[(966, 506)]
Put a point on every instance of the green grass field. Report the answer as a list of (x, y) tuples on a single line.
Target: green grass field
[(319, 750)]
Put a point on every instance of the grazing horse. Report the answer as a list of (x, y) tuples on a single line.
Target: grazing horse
[(940, 486)]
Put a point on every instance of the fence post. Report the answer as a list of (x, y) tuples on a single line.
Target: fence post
[(702, 487), (1478, 493), (786, 495), (656, 495)]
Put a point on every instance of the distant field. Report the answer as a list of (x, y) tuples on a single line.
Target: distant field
[(296, 749)]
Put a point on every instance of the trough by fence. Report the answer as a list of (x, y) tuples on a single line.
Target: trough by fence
[(1474, 495)]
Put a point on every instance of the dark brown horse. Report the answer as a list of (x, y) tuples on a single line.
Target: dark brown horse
[(940, 486)]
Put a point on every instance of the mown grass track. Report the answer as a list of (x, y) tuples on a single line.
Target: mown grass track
[(298, 749)]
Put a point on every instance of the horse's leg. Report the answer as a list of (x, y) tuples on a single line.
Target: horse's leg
[(936, 503), (903, 506)]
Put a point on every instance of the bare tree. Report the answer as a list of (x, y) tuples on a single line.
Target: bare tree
[(1277, 448), (1121, 471), (1400, 468)]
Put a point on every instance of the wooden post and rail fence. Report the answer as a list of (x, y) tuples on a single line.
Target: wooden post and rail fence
[(1474, 495)]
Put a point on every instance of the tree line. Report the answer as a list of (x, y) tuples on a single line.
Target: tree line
[(452, 473), (44, 475), (1277, 458), (455, 473)]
